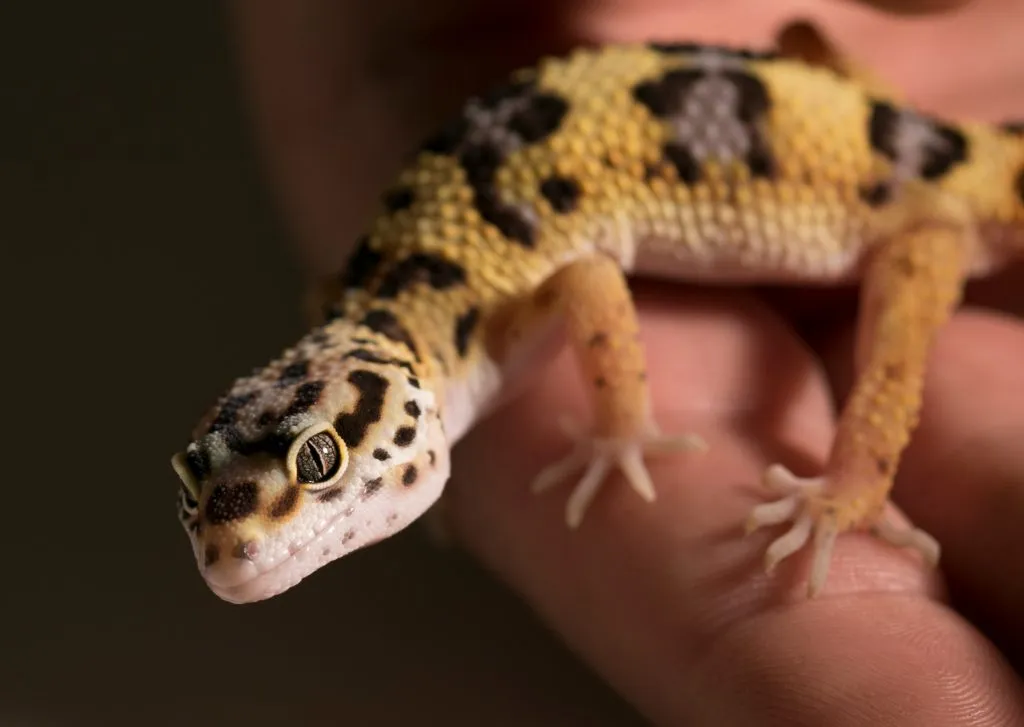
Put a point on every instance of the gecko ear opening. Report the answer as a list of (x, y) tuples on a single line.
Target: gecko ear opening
[(317, 458)]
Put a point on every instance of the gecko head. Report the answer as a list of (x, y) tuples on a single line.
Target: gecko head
[(307, 460)]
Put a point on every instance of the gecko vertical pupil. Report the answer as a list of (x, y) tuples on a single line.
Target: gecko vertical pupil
[(318, 459)]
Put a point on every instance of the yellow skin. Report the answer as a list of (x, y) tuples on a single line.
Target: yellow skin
[(519, 221)]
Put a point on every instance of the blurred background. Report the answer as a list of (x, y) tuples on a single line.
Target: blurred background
[(147, 267)]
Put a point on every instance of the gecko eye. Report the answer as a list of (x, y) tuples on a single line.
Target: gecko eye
[(317, 458)]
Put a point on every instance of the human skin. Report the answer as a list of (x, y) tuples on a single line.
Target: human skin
[(668, 602)]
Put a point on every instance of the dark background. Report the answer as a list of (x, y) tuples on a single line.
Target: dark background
[(147, 267)]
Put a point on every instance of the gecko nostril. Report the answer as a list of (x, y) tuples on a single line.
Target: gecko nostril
[(246, 550)]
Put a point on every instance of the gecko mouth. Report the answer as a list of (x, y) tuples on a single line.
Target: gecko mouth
[(245, 582)]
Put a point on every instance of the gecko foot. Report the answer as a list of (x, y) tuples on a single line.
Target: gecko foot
[(804, 503), (596, 456)]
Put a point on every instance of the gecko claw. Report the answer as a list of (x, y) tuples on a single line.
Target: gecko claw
[(598, 456), (805, 504)]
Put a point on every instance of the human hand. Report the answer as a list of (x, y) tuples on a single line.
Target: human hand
[(667, 601)]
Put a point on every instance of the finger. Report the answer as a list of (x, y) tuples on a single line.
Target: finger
[(962, 478), (667, 600)]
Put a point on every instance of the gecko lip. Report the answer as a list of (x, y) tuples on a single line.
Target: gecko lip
[(249, 583)]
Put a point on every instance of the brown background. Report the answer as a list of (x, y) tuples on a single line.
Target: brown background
[(146, 268)]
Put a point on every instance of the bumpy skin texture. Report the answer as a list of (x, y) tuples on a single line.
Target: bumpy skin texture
[(683, 161)]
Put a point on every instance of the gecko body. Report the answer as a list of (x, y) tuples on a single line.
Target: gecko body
[(513, 227)]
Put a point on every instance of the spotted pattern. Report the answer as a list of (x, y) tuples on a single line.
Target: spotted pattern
[(917, 145), (716, 109), (231, 502), (385, 323), (353, 426), (562, 193), (491, 127), (362, 264), (405, 436), (285, 504), (464, 327), (293, 373), (306, 397), (228, 414), (409, 475), (432, 270)]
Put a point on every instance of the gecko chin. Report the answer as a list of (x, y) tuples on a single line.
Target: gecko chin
[(256, 568)]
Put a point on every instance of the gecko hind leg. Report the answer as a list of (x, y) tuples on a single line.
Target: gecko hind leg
[(591, 297), (911, 286)]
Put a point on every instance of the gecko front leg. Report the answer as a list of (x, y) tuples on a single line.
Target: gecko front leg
[(910, 289), (592, 299)]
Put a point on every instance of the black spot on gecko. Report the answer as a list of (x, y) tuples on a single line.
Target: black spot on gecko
[(754, 101), (494, 96), (228, 413), (405, 436), (285, 503), (562, 193), (293, 373), (412, 409), (372, 486), (361, 354), (876, 195), (882, 126), (266, 418), (481, 162), (448, 137), (598, 339), (409, 475), (433, 270), (760, 161), (686, 165), (509, 222), (1013, 127), (671, 48), (398, 199), (352, 427), (211, 556), (541, 117), (332, 494), (941, 157), (385, 323), (198, 462), (433, 456), (231, 502), (883, 465), (414, 382), (464, 327), (306, 397), (362, 265), (663, 97), (381, 454)]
